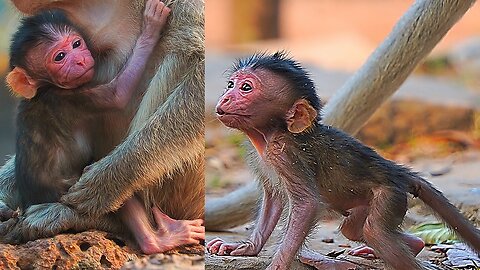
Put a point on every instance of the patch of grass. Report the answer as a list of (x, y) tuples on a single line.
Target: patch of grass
[(238, 139), (435, 66), (216, 182), (384, 145)]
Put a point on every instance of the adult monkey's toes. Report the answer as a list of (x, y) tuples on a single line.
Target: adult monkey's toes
[(10, 232), (6, 212)]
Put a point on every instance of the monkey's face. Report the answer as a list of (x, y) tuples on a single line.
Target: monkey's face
[(253, 99), (68, 61)]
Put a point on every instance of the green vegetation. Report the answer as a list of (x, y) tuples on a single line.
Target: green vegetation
[(434, 233), (237, 139)]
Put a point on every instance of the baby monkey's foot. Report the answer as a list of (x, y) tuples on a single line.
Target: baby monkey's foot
[(363, 251), (244, 248)]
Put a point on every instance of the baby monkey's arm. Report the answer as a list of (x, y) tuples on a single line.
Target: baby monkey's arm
[(117, 93)]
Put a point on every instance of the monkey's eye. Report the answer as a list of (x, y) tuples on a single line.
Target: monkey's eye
[(230, 84), (76, 44), (59, 57), (246, 87)]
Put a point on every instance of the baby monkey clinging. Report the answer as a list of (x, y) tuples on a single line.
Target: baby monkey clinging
[(273, 101)]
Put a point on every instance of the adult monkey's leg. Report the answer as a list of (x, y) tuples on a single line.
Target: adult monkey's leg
[(414, 36)]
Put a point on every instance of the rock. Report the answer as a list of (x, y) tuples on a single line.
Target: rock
[(86, 250), (91, 250)]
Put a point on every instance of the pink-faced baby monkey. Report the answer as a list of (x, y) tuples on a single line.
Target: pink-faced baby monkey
[(273, 101), (52, 66)]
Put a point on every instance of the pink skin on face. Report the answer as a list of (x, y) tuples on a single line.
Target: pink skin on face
[(69, 63), (241, 86), (240, 94)]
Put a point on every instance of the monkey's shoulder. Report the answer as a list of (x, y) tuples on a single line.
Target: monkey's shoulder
[(328, 139), (342, 149), (361, 160)]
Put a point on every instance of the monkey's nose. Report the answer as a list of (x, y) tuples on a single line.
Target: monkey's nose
[(81, 62), (219, 111)]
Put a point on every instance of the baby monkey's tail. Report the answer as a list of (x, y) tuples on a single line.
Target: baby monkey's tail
[(449, 213)]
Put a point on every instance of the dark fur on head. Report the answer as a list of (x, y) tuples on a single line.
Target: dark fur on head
[(37, 29), (281, 64)]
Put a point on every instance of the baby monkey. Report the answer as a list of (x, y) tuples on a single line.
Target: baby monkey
[(273, 101), (57, 122)]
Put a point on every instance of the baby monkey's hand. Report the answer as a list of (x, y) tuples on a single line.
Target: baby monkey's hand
[(155, 18)]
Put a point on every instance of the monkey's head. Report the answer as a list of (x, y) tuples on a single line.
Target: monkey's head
[(267, 93), (47, 49)]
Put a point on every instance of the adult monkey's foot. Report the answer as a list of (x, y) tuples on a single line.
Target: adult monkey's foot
[(171, 233), (323, 262), (6, 212)]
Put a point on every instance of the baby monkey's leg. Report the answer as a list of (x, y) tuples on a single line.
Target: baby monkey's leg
[(352, 228), (381, 229)]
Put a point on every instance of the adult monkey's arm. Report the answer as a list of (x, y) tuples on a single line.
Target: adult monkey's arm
[(413, 37)]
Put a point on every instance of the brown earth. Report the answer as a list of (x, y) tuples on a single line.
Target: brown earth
[(93, 250)]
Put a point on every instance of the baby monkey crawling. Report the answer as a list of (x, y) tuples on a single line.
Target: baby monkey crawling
[(52, 68), (316, 167)]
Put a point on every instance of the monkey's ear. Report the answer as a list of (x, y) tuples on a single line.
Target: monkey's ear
[(301, 116), (21, 84)]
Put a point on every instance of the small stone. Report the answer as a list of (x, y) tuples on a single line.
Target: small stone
[(328, 240)]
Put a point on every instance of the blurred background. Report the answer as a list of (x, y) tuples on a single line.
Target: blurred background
[(434, 114), (8, 21)]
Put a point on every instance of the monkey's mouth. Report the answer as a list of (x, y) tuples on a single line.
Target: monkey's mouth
[(88, 73), (233, 120), (79, 80), (221, 113)]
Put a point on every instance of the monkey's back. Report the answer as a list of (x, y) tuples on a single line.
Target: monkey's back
[(345, 166), (50, 153)]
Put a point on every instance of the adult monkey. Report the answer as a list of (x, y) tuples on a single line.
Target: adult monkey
[(161, 160)]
